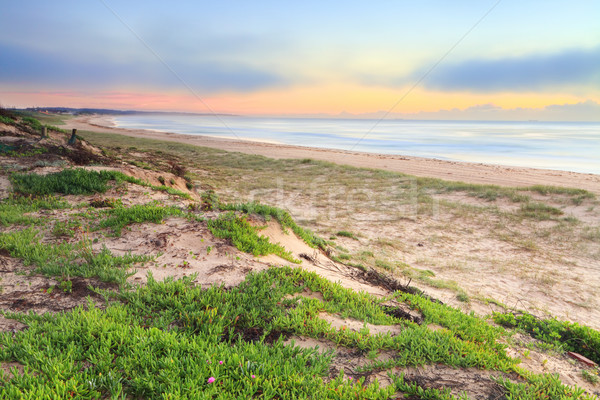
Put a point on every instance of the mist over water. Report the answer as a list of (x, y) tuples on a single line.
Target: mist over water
[(568, 146)]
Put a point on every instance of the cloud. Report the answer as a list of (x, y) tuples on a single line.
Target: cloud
[(575, 67), (588, 110), (35, 68)]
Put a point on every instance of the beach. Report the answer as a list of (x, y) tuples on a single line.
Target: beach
[(478, 173), (376, 235)]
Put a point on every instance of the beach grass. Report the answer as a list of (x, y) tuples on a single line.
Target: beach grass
[(421, 217)]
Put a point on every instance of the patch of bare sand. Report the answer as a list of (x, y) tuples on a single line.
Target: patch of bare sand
[(5, 187), (303, 342), (314, 260), (183, 248), (10, 368), (23, 291), (344, 359), (351, 324), (10, 325), (502, 204)]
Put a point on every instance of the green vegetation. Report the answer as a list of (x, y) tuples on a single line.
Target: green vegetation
[(11, 151), (590, 376), (67, 228), (119, 217), (56, 129), (539, 211), (385, 265), (210, 202), (32, 123), (66, 259), (68, 181), (35, 122), (128, 350), (245, 236), (541, 387), (13, 209), (282, 216), (78, 181), (6, 120), (173, 338), (347, 234), (566, 335)]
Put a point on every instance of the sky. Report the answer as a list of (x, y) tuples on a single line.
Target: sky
[(495, 60)]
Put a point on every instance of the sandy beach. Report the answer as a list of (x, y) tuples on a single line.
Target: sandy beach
[(423, 167), (536, 253)]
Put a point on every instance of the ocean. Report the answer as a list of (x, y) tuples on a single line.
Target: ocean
[(568, 146)]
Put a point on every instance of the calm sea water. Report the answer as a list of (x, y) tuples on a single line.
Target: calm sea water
[(569, 146)]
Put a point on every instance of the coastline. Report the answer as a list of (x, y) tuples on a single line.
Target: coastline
[(478, 173)]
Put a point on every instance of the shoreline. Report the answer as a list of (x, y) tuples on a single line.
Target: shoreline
[(478, 173)]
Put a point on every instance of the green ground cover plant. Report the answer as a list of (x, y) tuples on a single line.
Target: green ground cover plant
[(539, 211), (67, 181), (14, 208), (32, 122), (67, 228), (541, 387), (282, 216), (37, 123), (78, 181), (119, 217), (68, 259), (176, 340), (245, 237), (564, 334)]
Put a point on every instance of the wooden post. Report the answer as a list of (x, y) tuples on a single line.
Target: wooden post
[(44, 132), (73, 138)]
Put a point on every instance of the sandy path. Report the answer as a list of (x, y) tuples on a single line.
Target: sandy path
[(424, 167)]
